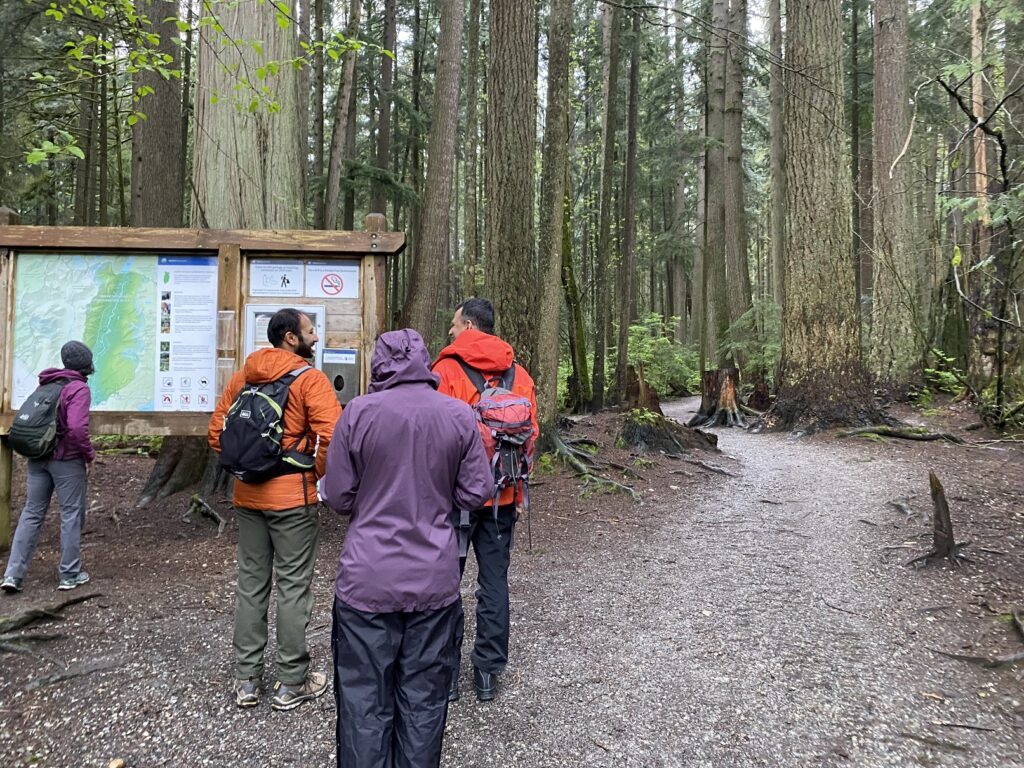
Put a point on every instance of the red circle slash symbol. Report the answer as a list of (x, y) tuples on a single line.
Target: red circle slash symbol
[(331, 284)]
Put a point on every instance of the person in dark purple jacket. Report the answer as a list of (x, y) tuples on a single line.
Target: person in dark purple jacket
[(64, 470), (401, 459)]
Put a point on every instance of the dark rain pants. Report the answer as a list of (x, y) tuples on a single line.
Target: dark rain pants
[(493, 555), (391, 678)]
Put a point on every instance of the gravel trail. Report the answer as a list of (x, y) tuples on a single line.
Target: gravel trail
[(759, 619)]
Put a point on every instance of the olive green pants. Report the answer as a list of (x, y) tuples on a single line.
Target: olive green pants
[(279, 543)]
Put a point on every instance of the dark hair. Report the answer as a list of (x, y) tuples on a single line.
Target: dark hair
[(284, 321), (481, 312)]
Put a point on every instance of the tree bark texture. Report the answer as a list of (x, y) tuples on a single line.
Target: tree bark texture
[(316, 177), (379, 203), (552, 208), (431, 263), (157, 184), (580, 393), (628, 283), (470, 213), (823, 379), (714, 182), (896, 336), (777, 152), (611, 23), (511, 133), (737, 268), (248, 164), (340, 125)]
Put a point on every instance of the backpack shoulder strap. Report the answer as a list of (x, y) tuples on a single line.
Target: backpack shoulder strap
[(508, 378), (291, 376), (473, 375)]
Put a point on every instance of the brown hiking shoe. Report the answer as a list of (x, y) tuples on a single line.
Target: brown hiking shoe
[(247, 693), (288, 697)]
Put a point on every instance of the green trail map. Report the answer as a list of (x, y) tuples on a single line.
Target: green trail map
[(106, 302)]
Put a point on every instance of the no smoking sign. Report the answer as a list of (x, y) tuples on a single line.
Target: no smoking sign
[(332, 279), (332, 284)]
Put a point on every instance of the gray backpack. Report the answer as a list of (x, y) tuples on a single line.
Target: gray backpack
[(34, 432)]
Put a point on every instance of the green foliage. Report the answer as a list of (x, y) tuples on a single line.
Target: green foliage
[(667, 364)]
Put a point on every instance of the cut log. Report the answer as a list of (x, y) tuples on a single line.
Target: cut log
[(944, 544)]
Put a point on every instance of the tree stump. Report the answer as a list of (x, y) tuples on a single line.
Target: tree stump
[(943, 542), (647, 431), (639, 394), (760, 399), (719, 405)]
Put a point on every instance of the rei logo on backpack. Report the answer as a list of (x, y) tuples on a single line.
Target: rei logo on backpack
[(251, 443), (505, 421), (34, 432)]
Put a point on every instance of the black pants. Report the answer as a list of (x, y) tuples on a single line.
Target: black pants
[(490, 651), (391, 677)]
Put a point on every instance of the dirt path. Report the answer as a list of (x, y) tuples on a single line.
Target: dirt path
[(755, 620)]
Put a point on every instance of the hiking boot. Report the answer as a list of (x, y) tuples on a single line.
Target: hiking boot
[(70, 582), (290, 696), (10, 585), (486, 684), (247, 693)]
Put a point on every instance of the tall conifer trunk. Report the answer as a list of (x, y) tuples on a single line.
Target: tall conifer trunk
[(823, 379)]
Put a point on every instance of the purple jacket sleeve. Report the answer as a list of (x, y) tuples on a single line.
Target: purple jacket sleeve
[(77, 401), (474, 484), (340, 483)]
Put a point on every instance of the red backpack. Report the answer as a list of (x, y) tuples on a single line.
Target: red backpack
[(505, 421)]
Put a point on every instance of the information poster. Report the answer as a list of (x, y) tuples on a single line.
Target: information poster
[(276, 279), (332, 279), (257, 319), (187, 353), (149, 320)]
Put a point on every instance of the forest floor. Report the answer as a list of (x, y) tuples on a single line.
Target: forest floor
[(759, 618)]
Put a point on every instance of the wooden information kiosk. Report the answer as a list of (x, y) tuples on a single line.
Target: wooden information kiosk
[(170, 314)]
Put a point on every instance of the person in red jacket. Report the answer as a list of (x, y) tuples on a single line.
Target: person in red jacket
[(474, 343)]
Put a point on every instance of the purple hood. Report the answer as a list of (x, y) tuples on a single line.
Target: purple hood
[(402, 457), (72, 415), (400, 357)]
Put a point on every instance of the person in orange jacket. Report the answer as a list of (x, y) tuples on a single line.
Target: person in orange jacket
[(278, 521), (474, 343)]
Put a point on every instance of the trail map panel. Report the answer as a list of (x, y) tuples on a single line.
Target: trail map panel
[(126, 309)]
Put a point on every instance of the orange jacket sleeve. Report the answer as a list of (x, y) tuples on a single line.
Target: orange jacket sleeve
[(322, 412)]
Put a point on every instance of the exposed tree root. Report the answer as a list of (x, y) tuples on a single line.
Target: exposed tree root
[(907, 433), (200, 508), (710, 467), (86, 668), (587, 467), (48, 613), (994, 662)]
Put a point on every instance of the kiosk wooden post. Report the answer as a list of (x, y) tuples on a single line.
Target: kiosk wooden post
[(7, 217), (351, 325)]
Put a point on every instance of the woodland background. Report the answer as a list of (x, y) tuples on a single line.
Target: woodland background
[(824, 194)]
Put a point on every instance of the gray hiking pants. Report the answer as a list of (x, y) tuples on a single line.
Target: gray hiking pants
[(44, 477)]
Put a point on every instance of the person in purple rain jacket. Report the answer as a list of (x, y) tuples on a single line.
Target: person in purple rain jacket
[(64, 470), (402, 457)]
